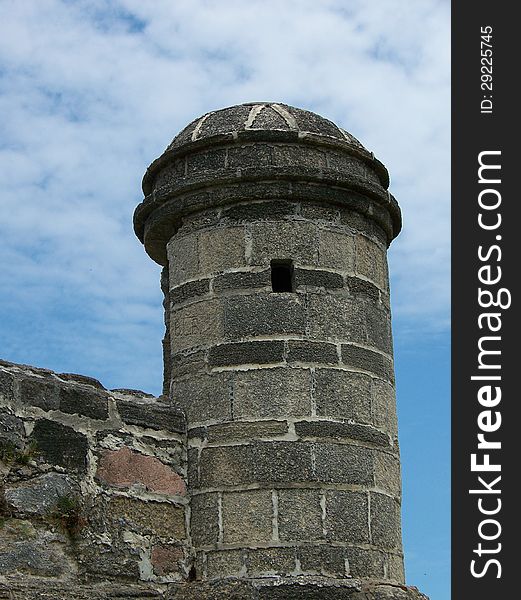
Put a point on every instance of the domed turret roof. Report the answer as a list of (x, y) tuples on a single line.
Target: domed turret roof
[(260, 116)]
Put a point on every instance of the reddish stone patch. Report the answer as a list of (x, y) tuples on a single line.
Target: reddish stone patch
[(165, 559), (125, 467)]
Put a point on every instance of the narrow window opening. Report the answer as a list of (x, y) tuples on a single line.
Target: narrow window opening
[(282, 276)]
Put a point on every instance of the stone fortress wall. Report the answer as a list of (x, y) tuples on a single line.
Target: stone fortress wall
[(270, 466)]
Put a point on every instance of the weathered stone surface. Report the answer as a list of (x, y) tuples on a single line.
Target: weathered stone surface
[(84, 400), (12, 434), (270, 561), (387, 473), (263, 314), (36, 391), (336, 319), (322, 560), (60, 445), (7, 388), (334, 429), (299, 515), (220, 249), (39, 496), (167, 560), (336, 250), (14, 588), (385, 521), (204, 398), (260, 211), (198, 324), (247, 517), (124, 468), (365, 563), (284, 240), (162, 519), (204, 521), (243, 430), (242, 280), (263, 352), (225, 563), (371, 262), (306, 351), (347, 517), (318, 278), (84, 379), (383, 407), (343, 394), (361, 358), (260, 462), (343, 463), (272, 393), (190, 291), (27, 550), (152, 415)]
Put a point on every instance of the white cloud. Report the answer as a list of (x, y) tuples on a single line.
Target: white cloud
[(91, 92)]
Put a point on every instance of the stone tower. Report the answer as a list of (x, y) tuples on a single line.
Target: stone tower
[(272, 225)]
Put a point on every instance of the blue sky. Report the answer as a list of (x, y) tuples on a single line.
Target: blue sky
[(92, 91)]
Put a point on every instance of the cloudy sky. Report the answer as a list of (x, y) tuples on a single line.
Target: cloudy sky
[(92, 91)]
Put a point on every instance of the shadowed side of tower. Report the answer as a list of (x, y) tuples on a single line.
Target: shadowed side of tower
[(273, 225)]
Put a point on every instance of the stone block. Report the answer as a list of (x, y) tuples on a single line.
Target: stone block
[(367, 360), (220, 249), (225, 563), (12, 434), (361, 288), (336, 318), (336, 250), (204, 398), (204, 520), (395, 571), (264, 463), (152, 415), (285, 155), (209, 160), (241, 430), (251, 155), (270, 561), (263, 314), (183, 258), (260, 211), (336, 430), (307, 351), (387, 473), (299, 515), (322, 559), (378, 327), (124, 468), (187, 363), (295, 240), (347, 517), (84, 400), (365, 563), (39, 392), (160, 519), (371, 262), (240, 280), (343, 463), (383, 401), (8, 395), (167, 561), (343, 394), (247, 517), (60, 445), (259, 353), (272, 393), (194, 325), (385, 521), (319, 279), (320, 212), (189, 291), (39, 496)]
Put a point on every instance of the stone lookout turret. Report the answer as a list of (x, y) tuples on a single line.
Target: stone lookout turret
[(272, 224)]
